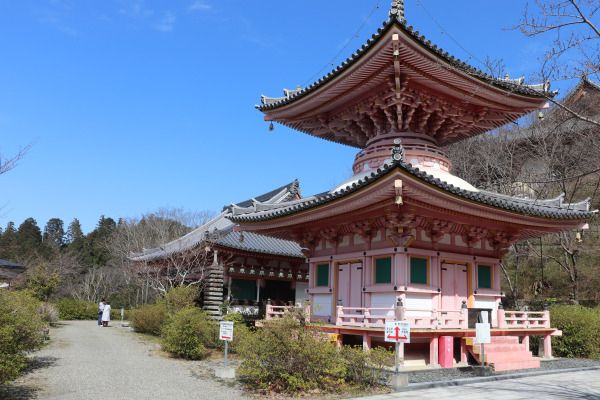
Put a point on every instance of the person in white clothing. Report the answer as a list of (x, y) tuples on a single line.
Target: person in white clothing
[(106, 314), (100, 310)]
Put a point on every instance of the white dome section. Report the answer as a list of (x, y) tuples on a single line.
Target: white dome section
[(447, 177)]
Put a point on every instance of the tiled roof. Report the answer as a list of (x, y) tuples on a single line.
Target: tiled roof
[(552, 208), (397, 20), (219, 231)]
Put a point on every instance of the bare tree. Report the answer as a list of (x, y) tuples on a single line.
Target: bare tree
[(575, 48), (6, 164), (150, 234)]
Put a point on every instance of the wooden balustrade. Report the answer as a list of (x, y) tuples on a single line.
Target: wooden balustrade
[(424, 318), (523, 319), (274, 312)]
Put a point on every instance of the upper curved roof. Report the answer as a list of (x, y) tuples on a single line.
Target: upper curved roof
[(397, 20)]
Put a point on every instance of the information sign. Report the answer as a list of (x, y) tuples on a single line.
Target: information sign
[(397, 331), (226, 330), (482, 333)]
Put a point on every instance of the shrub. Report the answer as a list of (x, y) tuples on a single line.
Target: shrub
[(284, 357), (73, 309), (189, 333), (580, 327), (148, 318), (21, 331), (241, 332), (48, 313), (179, 298)]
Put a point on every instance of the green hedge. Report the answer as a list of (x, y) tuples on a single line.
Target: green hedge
[(73, 309), (580, 327), (148, 318), (189, 334), (21, 331)]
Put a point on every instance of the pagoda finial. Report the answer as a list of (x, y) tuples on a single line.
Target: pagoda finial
[(397, 10)]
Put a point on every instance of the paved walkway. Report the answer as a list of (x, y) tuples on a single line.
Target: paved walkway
[(583, 385), (84, 361)]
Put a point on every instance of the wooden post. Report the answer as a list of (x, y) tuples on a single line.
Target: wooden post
[(340, 313), (464, 358), (366, 342), (501, 317), (547, 346), (433, 351), (465, 315)]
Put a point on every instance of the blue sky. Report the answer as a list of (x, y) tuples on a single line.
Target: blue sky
[(135, 105)]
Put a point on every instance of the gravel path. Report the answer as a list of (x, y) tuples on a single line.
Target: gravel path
[(84, 361)]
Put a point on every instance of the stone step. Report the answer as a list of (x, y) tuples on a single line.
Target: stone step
[(497, 348), (513, 365)]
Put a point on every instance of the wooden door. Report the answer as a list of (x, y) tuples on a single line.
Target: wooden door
[(343, 289), (356, 285), (349, 291), (454, 286)]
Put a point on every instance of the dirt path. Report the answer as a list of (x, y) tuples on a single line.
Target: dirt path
[(84, 361)]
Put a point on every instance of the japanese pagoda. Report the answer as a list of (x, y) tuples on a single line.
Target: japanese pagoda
[(404, 234)]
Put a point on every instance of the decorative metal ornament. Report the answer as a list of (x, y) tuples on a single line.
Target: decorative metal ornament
[(397, 150)]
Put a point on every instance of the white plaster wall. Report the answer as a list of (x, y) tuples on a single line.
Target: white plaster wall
[(421, 301), (383, 300), (321, 306), (301, 292)]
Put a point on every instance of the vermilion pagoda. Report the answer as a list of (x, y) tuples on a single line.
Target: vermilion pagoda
[(404, 234)]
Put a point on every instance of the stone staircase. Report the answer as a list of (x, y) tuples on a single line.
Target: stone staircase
[(505, 353)]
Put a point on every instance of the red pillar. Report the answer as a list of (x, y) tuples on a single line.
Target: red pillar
[(446, 351)]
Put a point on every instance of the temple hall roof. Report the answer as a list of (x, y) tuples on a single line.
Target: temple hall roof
[(220, 231)]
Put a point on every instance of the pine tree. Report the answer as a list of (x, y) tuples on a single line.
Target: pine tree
[(54, 233), (8, 241), (29, 239)]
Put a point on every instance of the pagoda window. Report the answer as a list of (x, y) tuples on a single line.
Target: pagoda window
[(484, 276), (383, 270), (322, 275), (419, 270)]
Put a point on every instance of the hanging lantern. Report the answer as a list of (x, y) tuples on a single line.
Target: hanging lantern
[(271, 273), (231, 270), (242, 269), (306, 276), (290, 275), (252, 271), (261, 272), (299, 276), (281, 275)]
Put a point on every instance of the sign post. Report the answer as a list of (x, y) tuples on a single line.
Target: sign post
[(226, 334), (397, 332), (483, 334)]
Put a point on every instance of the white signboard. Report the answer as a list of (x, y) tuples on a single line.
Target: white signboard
[(397, 331), (226, 330), (482, 333)]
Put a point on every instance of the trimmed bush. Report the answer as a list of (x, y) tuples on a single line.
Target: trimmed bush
[(285, 357), (49, 313), (73, 309), (580, 327), (148, 318), (241, 332), (189, 333), (21, 331), (179, 298)]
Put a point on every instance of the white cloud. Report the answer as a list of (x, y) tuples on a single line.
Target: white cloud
[(167, 23), (200, 5)]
